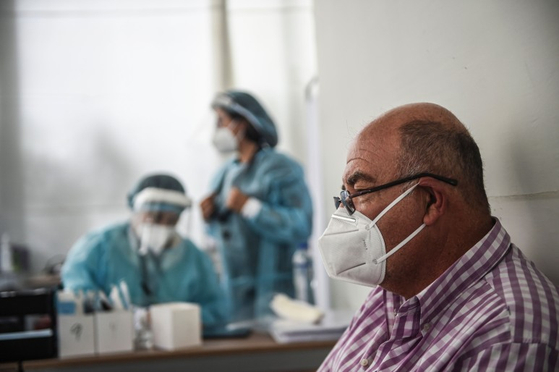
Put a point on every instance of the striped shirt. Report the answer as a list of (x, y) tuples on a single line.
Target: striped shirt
[(492, 310)]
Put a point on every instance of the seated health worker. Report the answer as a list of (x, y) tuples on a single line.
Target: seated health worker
[(147, 253), (259, 209)]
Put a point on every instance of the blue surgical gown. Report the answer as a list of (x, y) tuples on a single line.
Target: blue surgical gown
[(257, 252), (181, 273)]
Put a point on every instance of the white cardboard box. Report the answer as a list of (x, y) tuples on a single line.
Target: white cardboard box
[(114, 332), (176, 325), (76, 335)]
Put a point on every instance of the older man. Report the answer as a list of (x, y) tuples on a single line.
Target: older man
[(454, 293)]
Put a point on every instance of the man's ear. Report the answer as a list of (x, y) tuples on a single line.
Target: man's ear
[(437, 200)]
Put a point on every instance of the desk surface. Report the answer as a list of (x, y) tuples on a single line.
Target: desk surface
[(257, 352)]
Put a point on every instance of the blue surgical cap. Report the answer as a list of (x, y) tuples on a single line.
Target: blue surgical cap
[(158, 199), (247, 106)]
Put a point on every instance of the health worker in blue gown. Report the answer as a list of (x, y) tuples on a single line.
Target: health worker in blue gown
[(259, 209), (146, 252)]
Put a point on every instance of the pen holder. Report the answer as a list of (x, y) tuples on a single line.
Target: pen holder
[(114, 331), (76, 335)]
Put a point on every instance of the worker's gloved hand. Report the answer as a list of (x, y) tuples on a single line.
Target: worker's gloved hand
[(208, 207), (236, 200)]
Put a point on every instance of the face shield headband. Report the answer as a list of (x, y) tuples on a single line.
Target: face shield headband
[(155, 199)]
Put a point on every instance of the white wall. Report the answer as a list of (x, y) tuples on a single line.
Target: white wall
[(96, 93), (495, 64), (273, 51)]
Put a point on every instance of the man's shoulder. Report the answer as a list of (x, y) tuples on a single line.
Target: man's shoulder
[(530, 299)]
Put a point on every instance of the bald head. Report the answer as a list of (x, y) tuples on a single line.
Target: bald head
[(425, 137), (415, 112)]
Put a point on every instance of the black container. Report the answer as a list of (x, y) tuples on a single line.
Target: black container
[(28, 325)]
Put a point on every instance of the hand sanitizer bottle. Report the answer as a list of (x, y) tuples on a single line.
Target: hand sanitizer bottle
[(302, 273)]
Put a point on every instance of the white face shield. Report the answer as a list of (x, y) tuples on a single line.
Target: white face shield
[(157, 233)]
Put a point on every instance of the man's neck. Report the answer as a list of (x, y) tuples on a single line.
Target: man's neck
[(440, 254)]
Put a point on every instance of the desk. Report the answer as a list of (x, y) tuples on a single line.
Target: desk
[(256, 353)]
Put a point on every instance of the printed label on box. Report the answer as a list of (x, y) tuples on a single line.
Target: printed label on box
[(76, 335), (114, 332)]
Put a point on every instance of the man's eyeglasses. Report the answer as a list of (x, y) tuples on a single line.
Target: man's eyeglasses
[(346, 198)]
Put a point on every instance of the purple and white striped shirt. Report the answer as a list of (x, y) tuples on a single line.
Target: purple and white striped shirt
[(492, 310)]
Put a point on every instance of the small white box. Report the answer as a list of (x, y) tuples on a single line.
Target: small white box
[(176, 325), (76, 335), (114, 332)]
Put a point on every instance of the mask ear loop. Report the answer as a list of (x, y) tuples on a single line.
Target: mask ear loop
[(389, 207), (403, 242)]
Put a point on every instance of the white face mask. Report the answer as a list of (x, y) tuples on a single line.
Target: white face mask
[(353, 248), (224, 140), (154, 237)]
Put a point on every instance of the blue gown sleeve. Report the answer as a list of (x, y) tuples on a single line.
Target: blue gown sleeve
[(209, 294), (84, 268), (286, 216)]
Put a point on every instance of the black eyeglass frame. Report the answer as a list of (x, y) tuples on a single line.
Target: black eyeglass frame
[(345, 197)]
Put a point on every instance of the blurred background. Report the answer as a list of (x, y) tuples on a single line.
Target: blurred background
[(96, 93)]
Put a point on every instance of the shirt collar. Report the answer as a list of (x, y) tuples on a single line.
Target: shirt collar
[(465, 272)]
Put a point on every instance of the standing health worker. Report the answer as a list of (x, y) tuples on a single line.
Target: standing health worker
[(259, 209)]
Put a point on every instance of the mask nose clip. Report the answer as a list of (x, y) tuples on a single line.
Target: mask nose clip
[(344, 218)]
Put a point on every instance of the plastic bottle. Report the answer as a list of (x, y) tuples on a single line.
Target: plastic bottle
[(302, 273), (5, 255), (144, 335)]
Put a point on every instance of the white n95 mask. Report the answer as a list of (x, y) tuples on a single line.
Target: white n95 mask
[(353, 248), (224, 140), (154, 237)]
